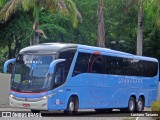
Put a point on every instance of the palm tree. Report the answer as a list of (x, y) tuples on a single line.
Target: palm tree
[(66, 7)]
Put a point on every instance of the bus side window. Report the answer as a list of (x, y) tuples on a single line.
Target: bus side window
[(97, 64), (81, 65), (114, 65), (59, 76), (68, 56)]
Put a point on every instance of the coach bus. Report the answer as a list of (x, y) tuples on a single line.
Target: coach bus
[(69, 77)]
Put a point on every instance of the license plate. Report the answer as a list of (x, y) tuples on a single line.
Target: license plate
[(26, 105)]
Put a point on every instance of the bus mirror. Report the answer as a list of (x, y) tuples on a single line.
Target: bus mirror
[(53, 64), (7, 63)]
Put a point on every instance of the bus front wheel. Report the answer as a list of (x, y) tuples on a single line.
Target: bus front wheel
[(72, 106), (131, 104)]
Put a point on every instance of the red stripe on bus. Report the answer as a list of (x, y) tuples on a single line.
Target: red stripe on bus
[(28, 92), (97, 53)]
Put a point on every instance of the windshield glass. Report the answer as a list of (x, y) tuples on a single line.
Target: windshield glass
[(31, 73)]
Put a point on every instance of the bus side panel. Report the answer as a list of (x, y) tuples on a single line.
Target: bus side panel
[(57, 101), (98, 91), (110, 91)]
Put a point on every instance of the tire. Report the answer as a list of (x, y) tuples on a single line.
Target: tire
[(140, 105), (72, 106), (35, 111), (131, 104)]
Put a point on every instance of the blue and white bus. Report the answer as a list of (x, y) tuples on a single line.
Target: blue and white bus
[(56, 76)]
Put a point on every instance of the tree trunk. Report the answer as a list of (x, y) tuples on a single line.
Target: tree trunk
[(36, 23), (9, 51), (101, 25), (36, 34), (139, 29)]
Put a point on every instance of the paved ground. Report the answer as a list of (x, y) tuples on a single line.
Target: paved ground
[(89, 115)]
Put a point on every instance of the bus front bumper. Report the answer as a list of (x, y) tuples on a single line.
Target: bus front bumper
[(34, 103)]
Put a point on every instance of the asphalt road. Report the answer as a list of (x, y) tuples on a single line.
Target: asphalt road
[(87, 115), (82, 115)]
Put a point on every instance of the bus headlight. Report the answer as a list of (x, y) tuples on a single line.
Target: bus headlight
[(11, 96), (48, 96), (44, 97)]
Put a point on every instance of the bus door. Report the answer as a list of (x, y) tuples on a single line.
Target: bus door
[(59, 78)]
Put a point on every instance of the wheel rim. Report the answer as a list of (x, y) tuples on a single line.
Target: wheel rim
[(131, 105), (71, 106), (140, 105)]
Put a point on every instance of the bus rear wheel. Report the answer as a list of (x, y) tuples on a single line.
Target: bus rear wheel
[(72, 106), (131, 104), (140, 105)]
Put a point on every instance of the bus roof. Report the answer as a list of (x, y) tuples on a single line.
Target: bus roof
[(47, 48), (51, 48)]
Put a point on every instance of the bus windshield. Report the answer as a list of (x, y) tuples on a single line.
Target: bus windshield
[(31, 73)]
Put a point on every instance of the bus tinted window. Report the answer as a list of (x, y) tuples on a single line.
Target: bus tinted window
[(114, 65), (89, 63), (103, 64), (130, 67), (68, 56), (81, 65), (96, 64)]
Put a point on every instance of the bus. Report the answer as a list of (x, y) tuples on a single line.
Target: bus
[(69, 77)]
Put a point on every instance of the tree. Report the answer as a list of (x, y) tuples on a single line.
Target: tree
[(101, 25), (86, 33), (15, 35), (139, 30), (66, 7), (58, 24), (139, 24)]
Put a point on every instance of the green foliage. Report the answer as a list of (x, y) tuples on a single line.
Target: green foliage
[(155, 107), (28, 4), (2, 2), (67, 7), (119, 25), (14, 35), (86, 33), (63, 6), (57, 28)]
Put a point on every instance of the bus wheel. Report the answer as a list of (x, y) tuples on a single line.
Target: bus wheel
[(140, 105), (35, 111), (131, 104), (72, 106)]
